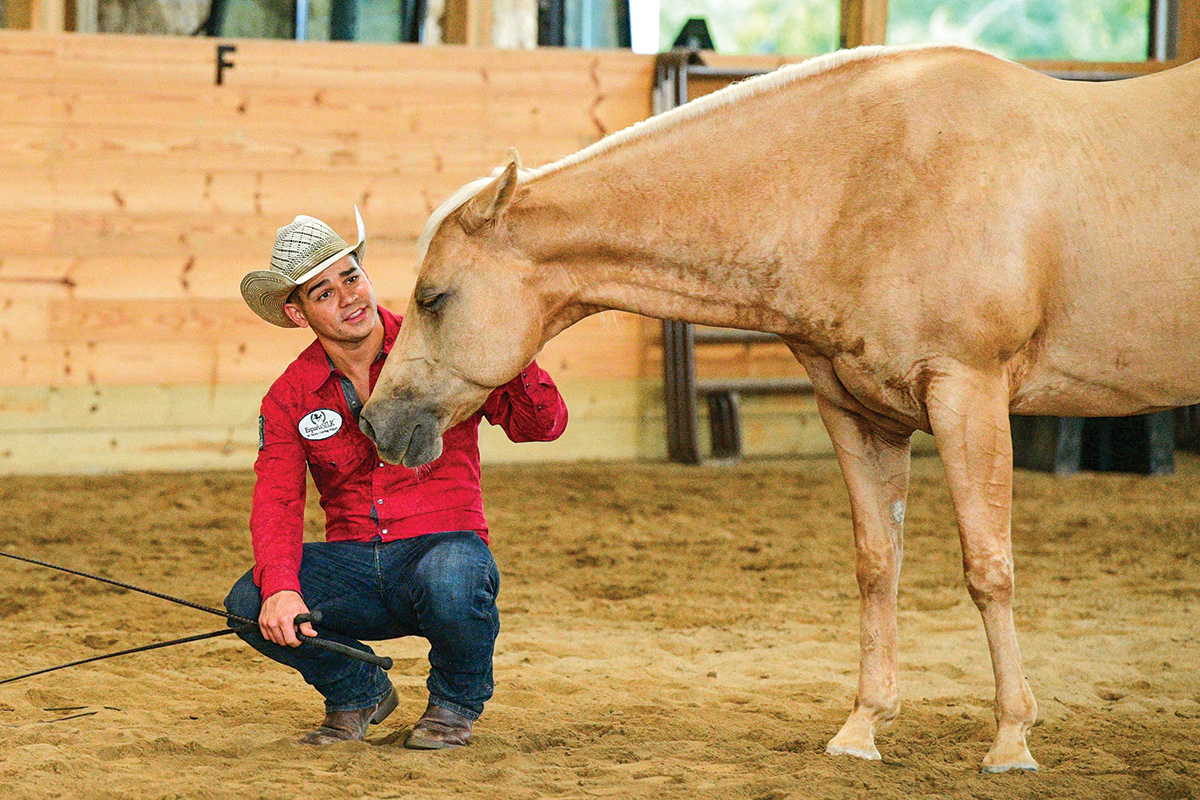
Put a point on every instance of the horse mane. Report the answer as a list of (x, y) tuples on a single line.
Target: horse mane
[(736, 92)]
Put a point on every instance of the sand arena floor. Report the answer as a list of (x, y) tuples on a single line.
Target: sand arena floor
[(668, 632)]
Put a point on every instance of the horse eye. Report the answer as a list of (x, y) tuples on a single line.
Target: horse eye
[(432, 302)]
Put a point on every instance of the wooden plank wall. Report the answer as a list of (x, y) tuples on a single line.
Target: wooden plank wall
[(139, 192)]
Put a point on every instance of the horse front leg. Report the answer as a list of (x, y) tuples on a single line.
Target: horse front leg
[(968, 412), (876, 469)]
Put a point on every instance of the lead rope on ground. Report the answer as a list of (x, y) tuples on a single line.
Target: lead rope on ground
[(131, 588), (245, 625), (196, 638)]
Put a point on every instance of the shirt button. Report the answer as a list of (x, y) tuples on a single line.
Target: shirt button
[(380, 502), (381, 463), (385, 530)]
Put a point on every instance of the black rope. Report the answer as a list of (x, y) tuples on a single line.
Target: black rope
[(198, 637), (244, 625), (160, 596)]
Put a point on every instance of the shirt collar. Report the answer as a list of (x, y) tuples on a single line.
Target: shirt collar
[(391, 329), (317, 366)]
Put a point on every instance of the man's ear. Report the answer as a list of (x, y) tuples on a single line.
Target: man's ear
[(295, 314), (485, 208)]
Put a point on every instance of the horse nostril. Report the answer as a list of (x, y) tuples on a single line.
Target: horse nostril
[(364, 425)]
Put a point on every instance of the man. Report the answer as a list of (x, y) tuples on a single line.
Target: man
[(406, 550)]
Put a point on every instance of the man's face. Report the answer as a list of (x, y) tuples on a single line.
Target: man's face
[(338, 304)]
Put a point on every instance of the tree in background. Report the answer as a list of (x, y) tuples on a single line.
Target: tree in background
[(757, 26), (1085, 30), (1081, 30)]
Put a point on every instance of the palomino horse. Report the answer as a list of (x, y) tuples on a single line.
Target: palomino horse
[(941, 237)]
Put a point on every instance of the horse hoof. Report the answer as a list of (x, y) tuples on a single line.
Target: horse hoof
[(1009, 753), (866, 753), (996, 769)]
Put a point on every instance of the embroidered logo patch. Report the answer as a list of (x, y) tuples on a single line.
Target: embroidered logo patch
[(320, 424)]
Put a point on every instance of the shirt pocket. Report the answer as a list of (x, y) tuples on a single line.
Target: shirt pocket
[(334, 456)]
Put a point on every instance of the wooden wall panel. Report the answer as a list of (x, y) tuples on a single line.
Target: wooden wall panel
[(25, 230), (139, 192)]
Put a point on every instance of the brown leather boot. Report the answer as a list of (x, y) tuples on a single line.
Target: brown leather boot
[(346, 726), (439, 728)]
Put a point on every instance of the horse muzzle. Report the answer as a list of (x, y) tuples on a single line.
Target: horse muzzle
[(403, 437)]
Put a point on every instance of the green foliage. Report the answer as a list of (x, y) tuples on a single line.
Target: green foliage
[(757, 26), (1086, 30)]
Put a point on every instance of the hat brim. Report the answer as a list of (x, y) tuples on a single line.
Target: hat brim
[(267, 290)]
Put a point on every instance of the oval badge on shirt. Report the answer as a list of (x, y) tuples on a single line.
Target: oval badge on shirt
[(320, 424)]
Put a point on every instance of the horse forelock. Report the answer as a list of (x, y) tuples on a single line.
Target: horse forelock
[(733, 93)]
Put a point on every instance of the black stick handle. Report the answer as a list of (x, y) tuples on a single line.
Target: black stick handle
[(315, 616), (361, 655)]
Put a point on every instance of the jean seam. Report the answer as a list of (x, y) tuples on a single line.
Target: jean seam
[(462, 711), (369, 704)]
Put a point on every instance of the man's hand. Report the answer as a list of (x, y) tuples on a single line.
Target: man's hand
[(276, 620)]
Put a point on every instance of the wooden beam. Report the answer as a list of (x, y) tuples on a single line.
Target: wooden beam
[(863, 22), (467, 22), (49, 16), (453, 22), (18, 14), (1188, 42), (1082, 69)]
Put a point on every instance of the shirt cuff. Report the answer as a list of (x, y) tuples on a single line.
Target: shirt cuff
[(277, 578)]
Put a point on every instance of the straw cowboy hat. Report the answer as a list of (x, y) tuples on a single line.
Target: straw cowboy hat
[(303, 249)]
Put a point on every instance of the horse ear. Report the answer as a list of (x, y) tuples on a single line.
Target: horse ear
[(486, 207)]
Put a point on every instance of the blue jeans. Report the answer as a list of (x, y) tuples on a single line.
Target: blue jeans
[(441, 586)]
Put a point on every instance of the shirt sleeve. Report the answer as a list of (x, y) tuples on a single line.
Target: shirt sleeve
[(277, 514), (529, 407)]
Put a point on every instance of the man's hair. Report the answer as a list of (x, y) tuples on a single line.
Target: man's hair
[(295, 297)]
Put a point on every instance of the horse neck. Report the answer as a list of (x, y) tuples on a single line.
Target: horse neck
[(656, 247), (729, 217)]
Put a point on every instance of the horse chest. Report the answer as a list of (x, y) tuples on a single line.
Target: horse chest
[(876, 384)]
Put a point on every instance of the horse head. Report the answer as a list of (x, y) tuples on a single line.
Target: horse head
[(472, 324)]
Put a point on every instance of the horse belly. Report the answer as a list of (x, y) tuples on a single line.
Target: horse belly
[(1107, 369), (1121, 321)]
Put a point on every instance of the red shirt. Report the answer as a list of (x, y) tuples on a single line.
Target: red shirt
[(307, 421)]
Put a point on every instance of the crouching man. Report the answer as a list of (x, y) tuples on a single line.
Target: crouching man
[(406, 550)]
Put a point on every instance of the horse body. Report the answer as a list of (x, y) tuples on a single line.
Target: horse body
[(939, 236), (1120, 329), (997, 214)]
